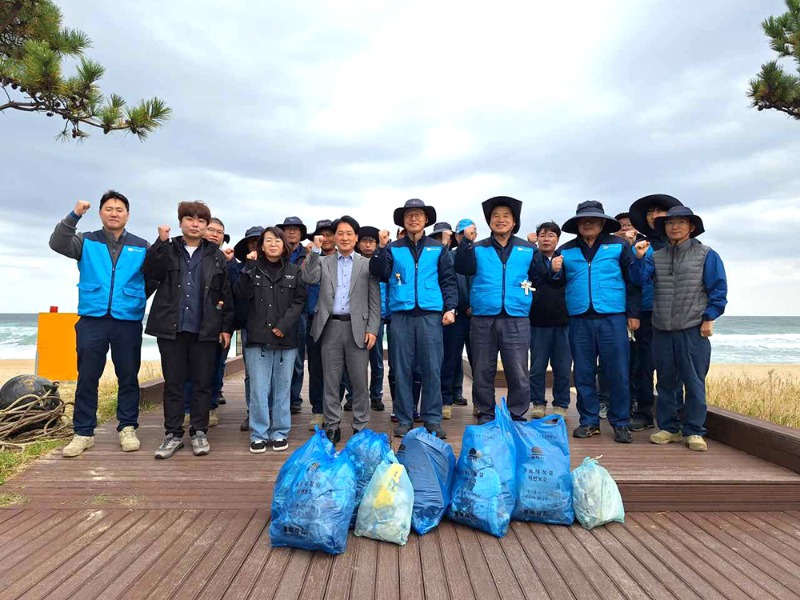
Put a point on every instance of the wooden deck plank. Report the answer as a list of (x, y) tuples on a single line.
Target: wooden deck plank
[(10, 529), (434, 577), (775, 520), (387, 586), (541, 566), (456, 568), (524, 572), (479, 574), (703, 556), (246, 577), (654, 564), (620, 566), (717, 543), (362, 586), (672, 561), (578, 584), (501, 570), (411, 570), (8, 513), (602, 583), (234, 560), (341, 575), (786, 545), (284, 570), (316, 579), (18, 547), (70, 553)]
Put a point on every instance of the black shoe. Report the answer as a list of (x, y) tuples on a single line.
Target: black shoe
[(460, 401), (334, 435), (484, 419), (295, 408), (221, 399), (585, 431), (348, 405), (436, 429), (377, 405), (281, 445), (394, 418), (258, 447), (417, 417), (357, 431), (519, 419), (623, 435), (400, 430), (245, 426), (639, 424)]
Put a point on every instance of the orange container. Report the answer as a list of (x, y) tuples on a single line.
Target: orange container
[(56, 356)]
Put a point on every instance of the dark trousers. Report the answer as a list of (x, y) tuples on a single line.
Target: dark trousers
[(642, 368), (511, 337), (299, 372), (315, 382), (456, 336), (682, 361), (417, 339), (220, 358), (184, 358), (93, 337), (606, 339), (376, 367), (550, 345), (416, 374)]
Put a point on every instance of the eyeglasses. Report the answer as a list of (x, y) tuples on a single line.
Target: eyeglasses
[(215, 231), (679, 222), (626, 226), (272, 241), (415, 215)]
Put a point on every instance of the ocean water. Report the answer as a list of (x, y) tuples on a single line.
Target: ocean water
[(735, 339)]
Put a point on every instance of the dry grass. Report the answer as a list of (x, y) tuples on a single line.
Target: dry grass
[(774, 397), (14, 461)]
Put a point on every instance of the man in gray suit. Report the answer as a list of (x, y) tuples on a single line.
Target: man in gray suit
[(347, 318)]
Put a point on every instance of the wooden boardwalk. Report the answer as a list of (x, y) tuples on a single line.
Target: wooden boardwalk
[(116, 525)]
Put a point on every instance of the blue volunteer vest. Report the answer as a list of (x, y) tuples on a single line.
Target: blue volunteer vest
[(487, 298), (413, 284), (104, 288), (599, 284)]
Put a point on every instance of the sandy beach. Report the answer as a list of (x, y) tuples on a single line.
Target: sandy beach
[(10, 368)]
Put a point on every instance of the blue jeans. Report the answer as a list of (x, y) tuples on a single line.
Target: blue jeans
[(511, 338), (550, 345), (376, 367), (416, 388), (297, 376), (270, 385), (93, 337), (417, 339), (682, 361), (606, 339), (456, 336)]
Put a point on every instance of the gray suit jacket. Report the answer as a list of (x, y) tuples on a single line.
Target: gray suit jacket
[(365, 295)]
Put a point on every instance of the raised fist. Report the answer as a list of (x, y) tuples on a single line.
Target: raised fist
[(641, 248), (384, 237), (557, 263), (163, 232), (252, 255), (81, 206), (317, 241), (228, 252), (533, 238)]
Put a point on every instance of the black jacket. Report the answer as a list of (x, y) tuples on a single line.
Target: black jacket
[(275, 299), (549, 306), (162, 264)]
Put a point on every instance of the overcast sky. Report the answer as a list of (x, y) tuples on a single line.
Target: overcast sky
[(317, 109)]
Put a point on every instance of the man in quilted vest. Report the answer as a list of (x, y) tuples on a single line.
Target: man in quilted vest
[(689, 293)]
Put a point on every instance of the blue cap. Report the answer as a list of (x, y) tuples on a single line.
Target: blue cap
[(463, 224)]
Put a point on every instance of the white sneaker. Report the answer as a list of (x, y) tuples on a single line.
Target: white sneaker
[(78, 444), (128, 440), (213, 419)]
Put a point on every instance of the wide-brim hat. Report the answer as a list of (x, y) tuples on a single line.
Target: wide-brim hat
[(399, 213), (323, 224), (638, 210), (679, 211), (591, 208), (294, 222), (512, 203), (368, 232), (622, 215), (240, 250), (226, 239), (442, 227)]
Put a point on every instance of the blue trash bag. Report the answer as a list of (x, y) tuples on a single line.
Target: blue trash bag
[(316, 514), (595, 495), (431, 467), (316, 448), (485, 486), (367, 450), (385, 510), (544, 483)]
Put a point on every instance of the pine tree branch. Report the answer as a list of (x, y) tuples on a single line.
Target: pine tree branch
[(13, 13)]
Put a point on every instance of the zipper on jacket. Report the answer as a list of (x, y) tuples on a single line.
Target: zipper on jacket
[(591, 304), (503, 297), (416, 293), (111, 289)]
